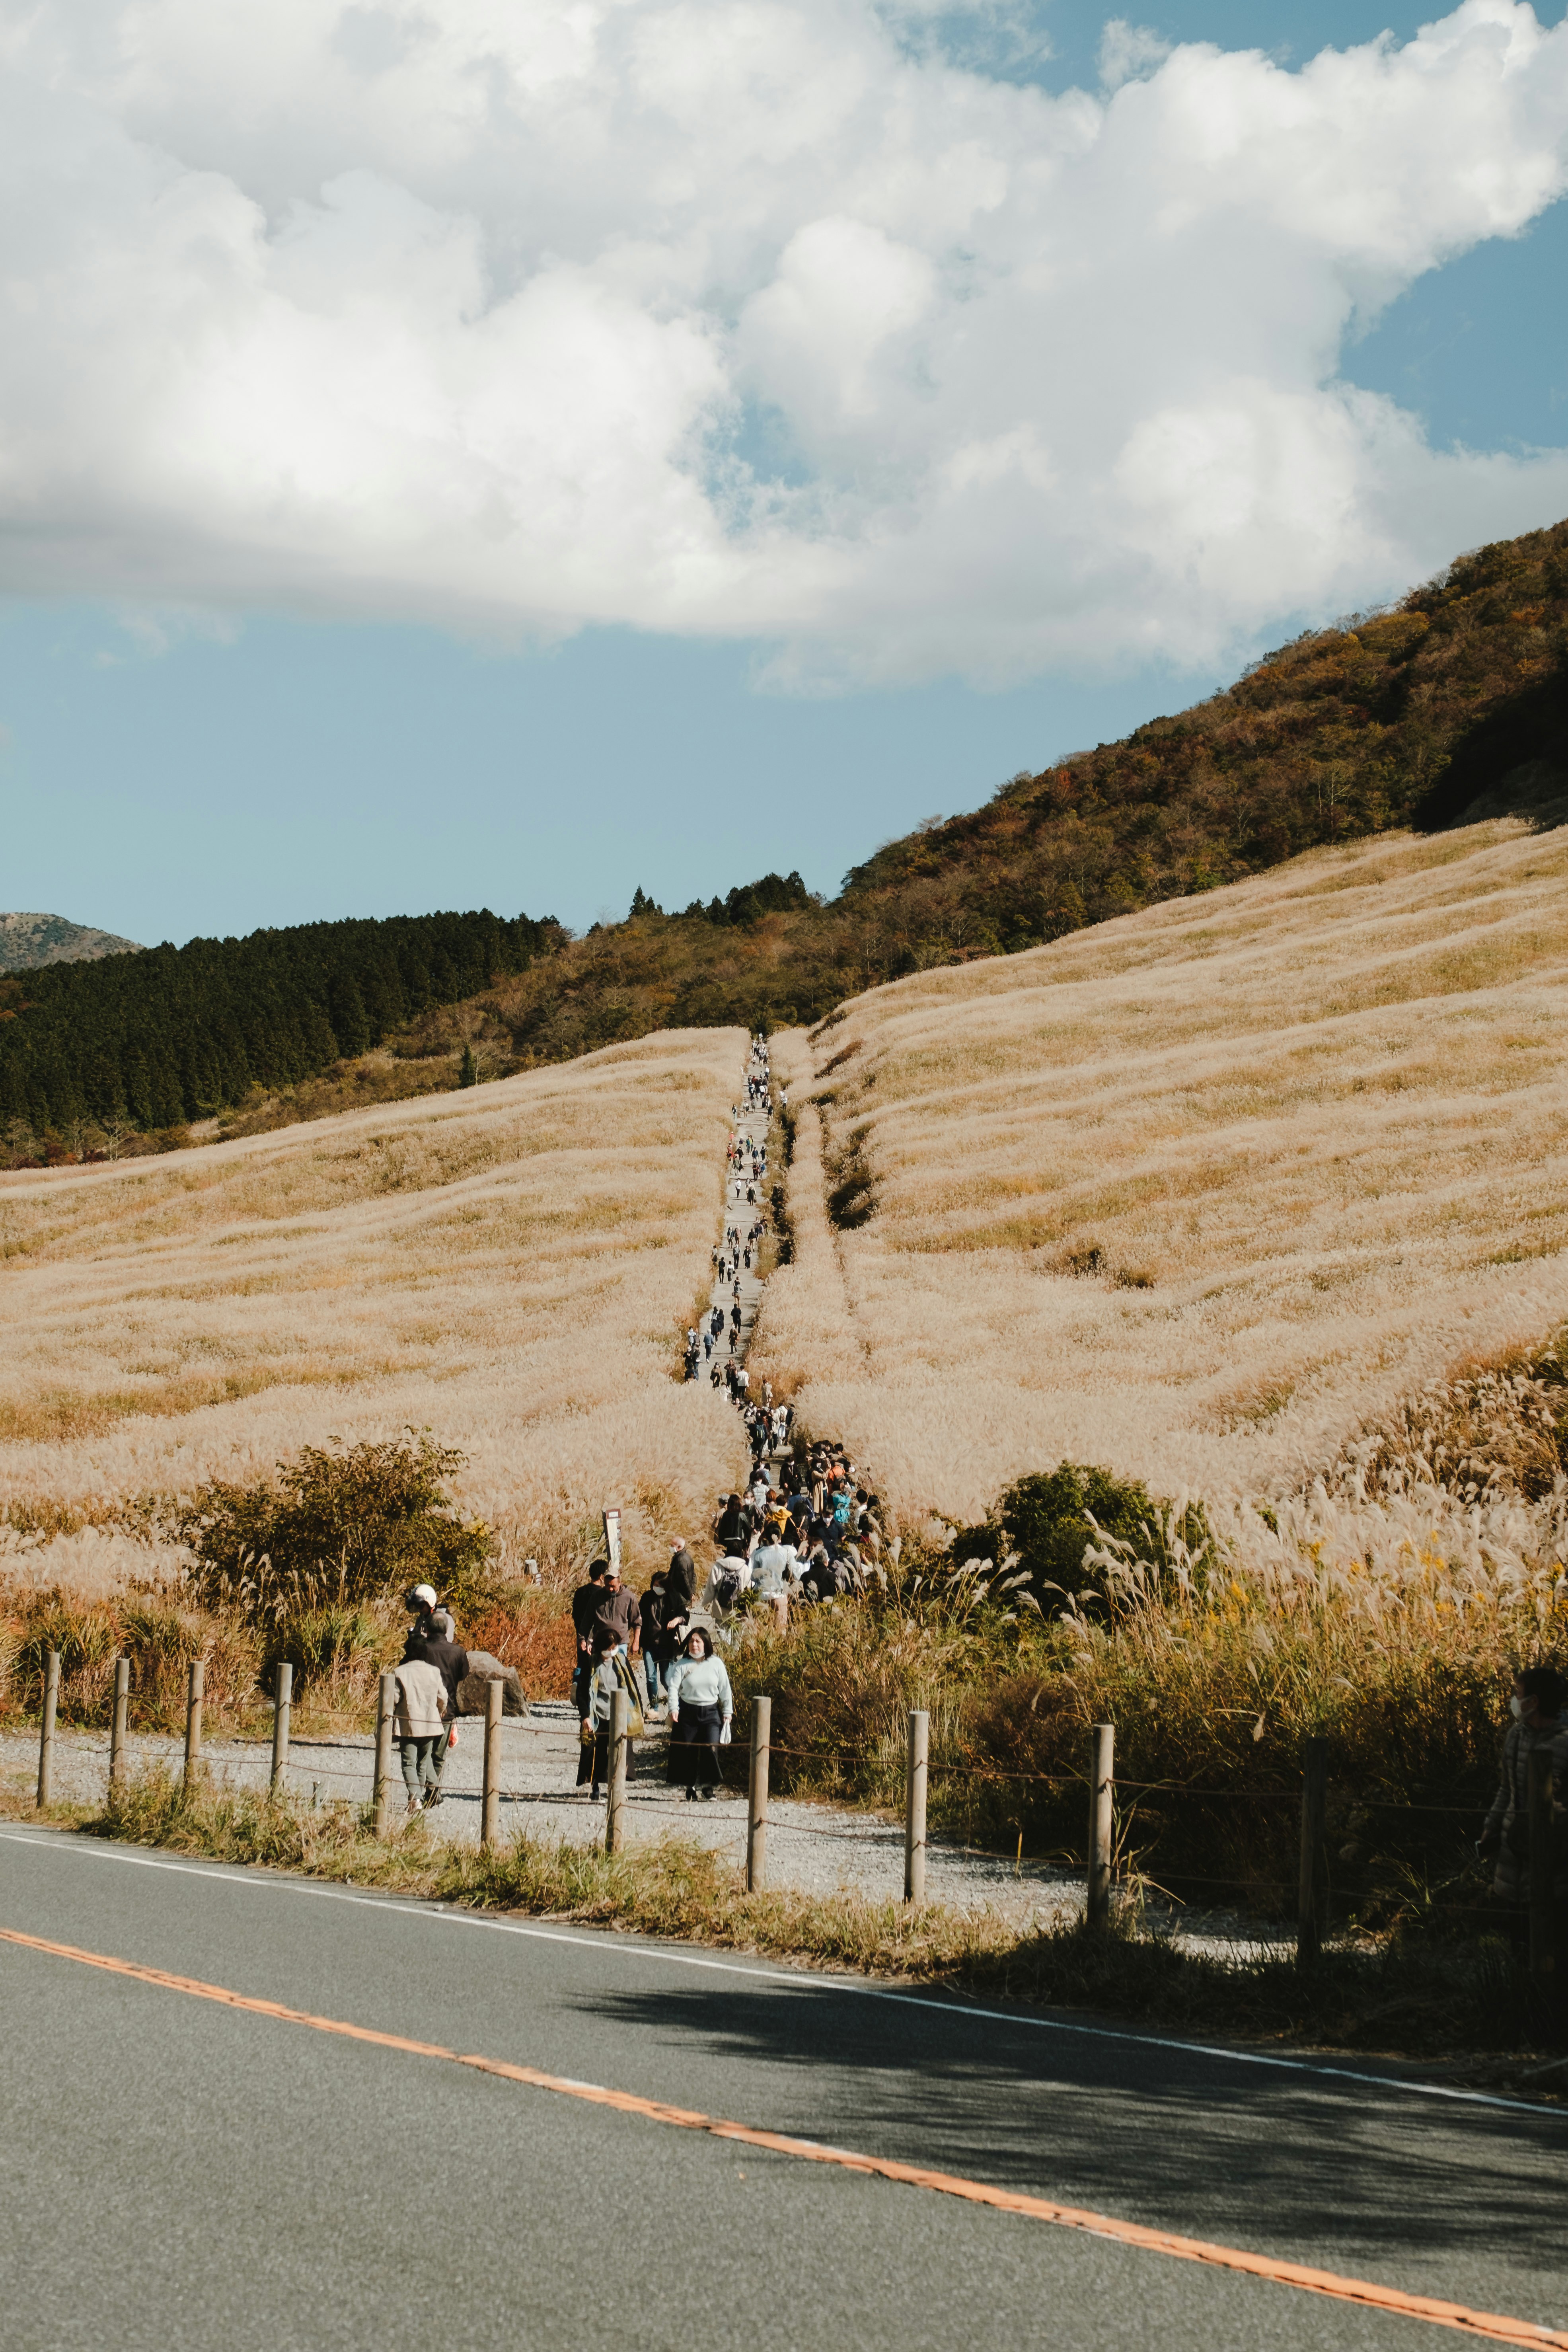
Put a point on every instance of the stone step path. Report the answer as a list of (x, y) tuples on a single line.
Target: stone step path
[(745, 1205)]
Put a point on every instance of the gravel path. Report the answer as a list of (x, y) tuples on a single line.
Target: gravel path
[(813, 1849)]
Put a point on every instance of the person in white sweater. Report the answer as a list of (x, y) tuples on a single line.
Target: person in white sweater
[(701, 1705), (775, 1574)]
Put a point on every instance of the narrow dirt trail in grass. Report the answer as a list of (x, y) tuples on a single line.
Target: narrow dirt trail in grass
[(737, 1293)]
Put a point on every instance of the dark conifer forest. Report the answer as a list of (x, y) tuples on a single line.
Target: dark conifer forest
[(170, 1034)]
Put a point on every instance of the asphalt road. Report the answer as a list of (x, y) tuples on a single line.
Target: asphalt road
[(180, 2174)]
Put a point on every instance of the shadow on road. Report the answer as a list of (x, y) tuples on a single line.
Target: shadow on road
[(1286, 2162)]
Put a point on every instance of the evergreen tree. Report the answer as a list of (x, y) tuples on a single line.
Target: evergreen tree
[(467, 1069)]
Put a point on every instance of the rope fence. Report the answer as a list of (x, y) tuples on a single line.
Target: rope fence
[(1099, 1784)]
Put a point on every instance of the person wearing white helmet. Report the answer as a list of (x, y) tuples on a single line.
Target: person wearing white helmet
[(431, 1621)]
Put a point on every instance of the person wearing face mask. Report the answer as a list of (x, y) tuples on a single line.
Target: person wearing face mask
[(1539, 1695)]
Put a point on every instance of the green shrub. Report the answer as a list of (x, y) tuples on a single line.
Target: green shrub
[(1052, 1518), (333, 1530)]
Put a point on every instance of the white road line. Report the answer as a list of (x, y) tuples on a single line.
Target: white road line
[(278, 1883)]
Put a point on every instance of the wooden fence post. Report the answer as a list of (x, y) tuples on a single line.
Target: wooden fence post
[(915, 1806), (195, 1691), (615, 1804), (1310, 1892), (1542, 1940), (116, 1721), (489, 1807), (46, 1729), (1101, 1784), (285, 1692), (386, 1707), (757, 1809)]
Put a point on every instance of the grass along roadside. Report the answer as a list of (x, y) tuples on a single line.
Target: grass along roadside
[(1464, 2007)]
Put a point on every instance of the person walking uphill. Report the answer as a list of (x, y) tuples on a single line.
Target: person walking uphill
[(451, 1662), (700, 1707), (421, 1705)]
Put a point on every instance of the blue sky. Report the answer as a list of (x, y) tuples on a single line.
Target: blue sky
[(174, 764)]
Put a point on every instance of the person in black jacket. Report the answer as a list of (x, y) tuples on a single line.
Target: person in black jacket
[(585, 1606), (653, 1635), (450, 1661), (734, 1526)]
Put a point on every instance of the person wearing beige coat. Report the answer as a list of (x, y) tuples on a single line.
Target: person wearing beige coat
[(421, 1727)]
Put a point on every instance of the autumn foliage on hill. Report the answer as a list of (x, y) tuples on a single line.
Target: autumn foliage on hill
[(1395, 718), (1409, 716), (1456, 701)]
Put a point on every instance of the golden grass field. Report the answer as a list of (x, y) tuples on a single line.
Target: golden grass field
[(1202, 1193), (514, 1267)]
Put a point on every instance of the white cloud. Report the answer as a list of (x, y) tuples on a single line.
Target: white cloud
[(482, 315), (1127, 52)]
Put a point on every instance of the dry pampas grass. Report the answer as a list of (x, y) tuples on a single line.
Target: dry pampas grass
[(1206, 1194), (511, 1266)]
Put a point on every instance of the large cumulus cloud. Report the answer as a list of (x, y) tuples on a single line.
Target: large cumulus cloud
[(746, 319)]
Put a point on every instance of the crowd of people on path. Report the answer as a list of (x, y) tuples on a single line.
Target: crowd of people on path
[(717, 1344), (804, 1532), (810, 1534)]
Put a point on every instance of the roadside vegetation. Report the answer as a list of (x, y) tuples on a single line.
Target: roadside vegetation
[(311, 1563), (1213, 1672), (1395, 1996)]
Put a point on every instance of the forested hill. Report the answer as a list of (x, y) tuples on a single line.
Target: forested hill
[(1454, 703), (170, 1034), (27, 941)]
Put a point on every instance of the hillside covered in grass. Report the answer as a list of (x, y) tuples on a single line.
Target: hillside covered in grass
[(481, 1264), (1219, 1195), (1456, 702)]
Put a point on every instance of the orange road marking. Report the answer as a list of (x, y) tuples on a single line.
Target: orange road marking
[(1487, 2325)]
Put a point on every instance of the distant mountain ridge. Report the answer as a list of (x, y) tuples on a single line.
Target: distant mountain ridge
[(28, 942)]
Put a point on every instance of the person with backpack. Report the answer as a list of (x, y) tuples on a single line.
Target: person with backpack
[(701, 1705), (612, 1672), (451, 1662), (729, 1577)]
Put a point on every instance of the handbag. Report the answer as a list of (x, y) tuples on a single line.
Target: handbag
[(628, 1682)]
